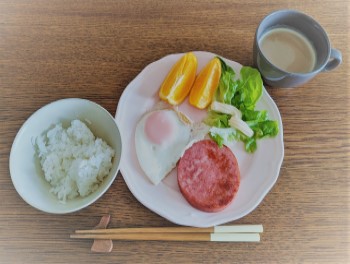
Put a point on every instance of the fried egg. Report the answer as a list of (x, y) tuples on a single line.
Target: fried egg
[(161, 138)]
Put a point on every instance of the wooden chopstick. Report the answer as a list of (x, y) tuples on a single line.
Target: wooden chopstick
[(235, 233), (219, 237), (215, 229)]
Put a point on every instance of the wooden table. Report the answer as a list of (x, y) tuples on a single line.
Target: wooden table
[(93, 49)]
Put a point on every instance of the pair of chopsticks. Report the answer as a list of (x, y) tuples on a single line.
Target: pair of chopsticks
[(234, 233)]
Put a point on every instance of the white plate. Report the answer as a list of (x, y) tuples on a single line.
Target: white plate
[(259, 171)]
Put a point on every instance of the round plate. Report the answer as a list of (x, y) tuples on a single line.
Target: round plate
[(259, 171)]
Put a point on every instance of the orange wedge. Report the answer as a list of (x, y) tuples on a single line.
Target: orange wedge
[(179, 80), (205, 84)]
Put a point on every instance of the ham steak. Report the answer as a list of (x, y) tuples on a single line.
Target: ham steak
[(208, 176)]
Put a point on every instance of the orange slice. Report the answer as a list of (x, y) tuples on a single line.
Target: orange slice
[(179, 80), (205, 84)]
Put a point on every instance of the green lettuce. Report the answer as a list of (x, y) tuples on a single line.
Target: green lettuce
[(227, 87), (223, 135), (249, 89), (242, 93), (215, 119)]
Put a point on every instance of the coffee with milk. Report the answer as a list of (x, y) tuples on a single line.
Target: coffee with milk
[(288, 50)]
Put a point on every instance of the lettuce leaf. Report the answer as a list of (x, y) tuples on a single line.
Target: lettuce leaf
[(249, 89), (242, 93), (250, 144), (227, 86), (223, 135), (252, 115), (215, 119), (263, 129)]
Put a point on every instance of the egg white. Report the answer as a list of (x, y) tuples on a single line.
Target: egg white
[(157, 160)]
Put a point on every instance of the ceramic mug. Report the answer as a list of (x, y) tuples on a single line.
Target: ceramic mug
[(326, 57)]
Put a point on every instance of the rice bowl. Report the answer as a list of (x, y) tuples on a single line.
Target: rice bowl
[(26, 173)]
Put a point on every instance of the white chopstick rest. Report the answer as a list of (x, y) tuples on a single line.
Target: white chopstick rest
[(239, 229), (235, 237)]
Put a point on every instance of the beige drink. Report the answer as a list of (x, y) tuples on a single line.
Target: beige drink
[(288, 50)]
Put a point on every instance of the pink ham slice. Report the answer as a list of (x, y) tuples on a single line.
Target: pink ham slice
[(208, 176)]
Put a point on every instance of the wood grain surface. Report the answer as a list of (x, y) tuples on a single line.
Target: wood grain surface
[(93, 49)]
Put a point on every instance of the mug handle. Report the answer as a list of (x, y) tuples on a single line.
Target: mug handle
[(334, 60)]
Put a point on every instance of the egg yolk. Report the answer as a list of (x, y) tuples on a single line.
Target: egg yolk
[(160, 127)]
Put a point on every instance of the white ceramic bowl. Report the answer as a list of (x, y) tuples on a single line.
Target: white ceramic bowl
[(26, 173)]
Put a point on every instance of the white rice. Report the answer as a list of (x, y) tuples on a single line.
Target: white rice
[(73, 160)]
